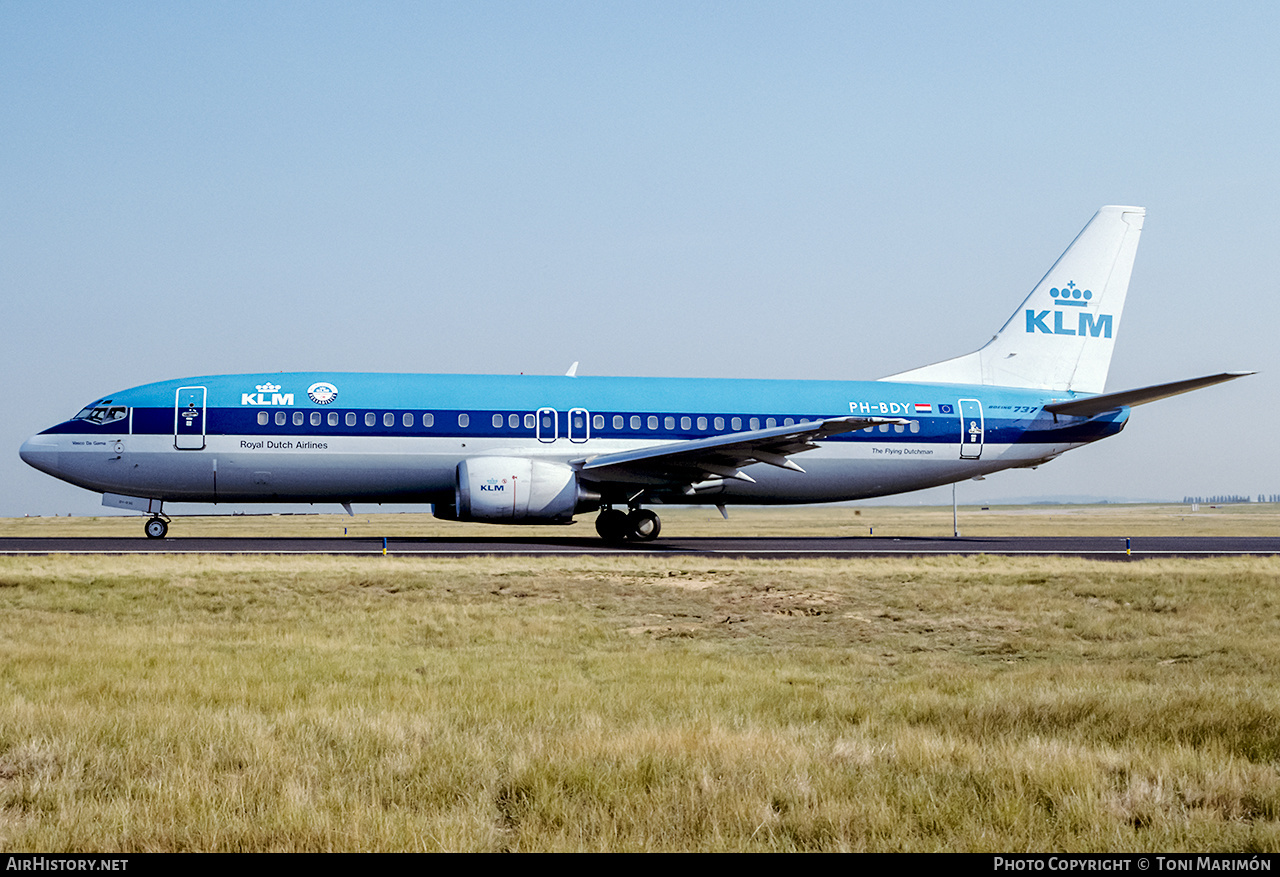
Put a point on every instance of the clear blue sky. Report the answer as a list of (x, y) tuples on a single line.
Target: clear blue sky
[(798, 190)]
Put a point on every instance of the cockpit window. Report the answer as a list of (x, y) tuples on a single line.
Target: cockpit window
[(100, 414)]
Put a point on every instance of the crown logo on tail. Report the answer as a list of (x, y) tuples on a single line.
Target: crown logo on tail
[(1071, 295)]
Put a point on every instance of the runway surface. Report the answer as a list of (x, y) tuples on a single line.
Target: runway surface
[(1108, 548)]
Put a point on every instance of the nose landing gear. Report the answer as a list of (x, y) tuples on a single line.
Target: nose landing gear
[(638, 525), (156, 528)]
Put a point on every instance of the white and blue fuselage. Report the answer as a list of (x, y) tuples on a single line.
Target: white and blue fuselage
[(400, 438)]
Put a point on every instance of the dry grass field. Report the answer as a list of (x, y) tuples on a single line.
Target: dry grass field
[(631, 703)]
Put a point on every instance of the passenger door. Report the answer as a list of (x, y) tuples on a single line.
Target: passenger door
[(188, 418), (971, 429)]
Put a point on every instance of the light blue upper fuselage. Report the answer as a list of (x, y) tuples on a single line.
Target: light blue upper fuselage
[(473, 392)]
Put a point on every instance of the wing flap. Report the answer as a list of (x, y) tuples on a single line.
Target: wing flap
[(721, 456)]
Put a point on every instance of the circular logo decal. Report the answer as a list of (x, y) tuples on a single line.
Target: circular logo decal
[(322, 393)]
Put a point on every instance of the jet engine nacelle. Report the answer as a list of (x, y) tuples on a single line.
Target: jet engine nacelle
[(519, 490)]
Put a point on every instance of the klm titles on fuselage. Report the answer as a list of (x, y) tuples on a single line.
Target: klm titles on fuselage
[(268, 394), (321, 393), (1086, 323), (263, 399)]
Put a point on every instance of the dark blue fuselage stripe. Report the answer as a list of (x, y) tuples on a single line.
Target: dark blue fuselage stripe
[(941, 429)]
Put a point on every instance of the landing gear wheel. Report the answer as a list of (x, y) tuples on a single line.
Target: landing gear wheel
[(643, 525), (612, 526), (156, 528)]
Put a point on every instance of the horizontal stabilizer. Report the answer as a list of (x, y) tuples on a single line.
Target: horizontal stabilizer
[(1111, 401)]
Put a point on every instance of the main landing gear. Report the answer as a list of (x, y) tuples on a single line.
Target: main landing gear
[(616, 526), (156, 527)]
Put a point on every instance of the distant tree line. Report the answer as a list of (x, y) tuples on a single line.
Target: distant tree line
[(1223, 499)]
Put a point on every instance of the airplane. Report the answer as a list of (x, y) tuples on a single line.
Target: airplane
[(543, 449)]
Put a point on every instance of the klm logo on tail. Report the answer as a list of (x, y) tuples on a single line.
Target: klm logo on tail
[(1070, 296)]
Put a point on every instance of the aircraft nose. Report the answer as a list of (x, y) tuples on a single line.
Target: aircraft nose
[(41, 452)]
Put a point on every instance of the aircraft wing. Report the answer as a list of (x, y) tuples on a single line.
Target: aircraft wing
[(1092, 405), (721, 456)]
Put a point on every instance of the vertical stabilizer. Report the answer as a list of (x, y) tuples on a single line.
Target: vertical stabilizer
[(1062, 336)]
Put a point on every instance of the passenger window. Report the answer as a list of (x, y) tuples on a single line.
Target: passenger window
[(597, 421), (351, 418), (635, 421), (388, 419), (297, 418), (370, 419), (464, 420), (719, 422), (263, 417), (315, 418), (279, 418), (653, 421), (407, 419), (669, 422), (617, 421), (788, 422), (428, 419), (897, 427), (497, 421), (513, 421), (737, 423), (332, 418), (771, 422), (530, 421), (755, 423), (546, 421), (685, 423), (915, 426), (884, 427), (702, 423)]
